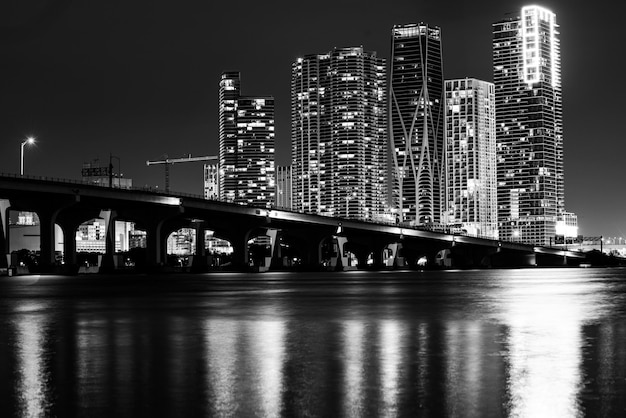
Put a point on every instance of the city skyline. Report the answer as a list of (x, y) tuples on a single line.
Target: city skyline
[(58, 92)]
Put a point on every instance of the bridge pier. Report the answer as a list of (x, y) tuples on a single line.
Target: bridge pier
[(108, 262), (394, 256), (155, 244), (4, 234), (47, 220), (70, 260), (199, 263)]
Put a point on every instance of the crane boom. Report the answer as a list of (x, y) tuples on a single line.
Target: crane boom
[(188, 159)]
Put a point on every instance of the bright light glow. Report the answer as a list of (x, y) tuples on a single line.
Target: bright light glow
[(531, 44), (30, 140), (171, 201), (570, 231)]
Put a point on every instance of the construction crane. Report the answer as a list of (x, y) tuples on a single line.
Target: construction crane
[(168, 161)]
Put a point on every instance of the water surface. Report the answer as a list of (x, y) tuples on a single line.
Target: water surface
[(526, 343)]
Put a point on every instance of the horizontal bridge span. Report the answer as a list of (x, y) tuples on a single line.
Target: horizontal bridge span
[(137, 203)]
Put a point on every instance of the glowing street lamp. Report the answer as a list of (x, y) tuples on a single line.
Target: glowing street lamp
[(29, 140)]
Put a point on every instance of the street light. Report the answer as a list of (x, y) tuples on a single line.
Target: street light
[(29, 140)]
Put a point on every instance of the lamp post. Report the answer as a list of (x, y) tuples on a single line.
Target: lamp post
[(29, 140)]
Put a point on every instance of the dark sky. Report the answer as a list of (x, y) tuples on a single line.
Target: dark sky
[(139, 79)]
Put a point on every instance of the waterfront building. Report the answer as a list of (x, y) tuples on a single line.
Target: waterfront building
[(91, 236), (246, 145), (529, 125), (182, 242), (283, 187), (471, 199), (211, 182), (339, 154), (416, 115)]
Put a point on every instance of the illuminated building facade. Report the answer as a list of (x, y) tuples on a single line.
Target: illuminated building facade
[(246, 148), (416, 114), (211, 182), (529, 125), (471, 199), (339, 159), (283, 187)]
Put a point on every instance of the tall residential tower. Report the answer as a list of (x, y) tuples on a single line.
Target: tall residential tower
[(416, 117), (338, 127), (246, 148), (471, 200), (529, 125)]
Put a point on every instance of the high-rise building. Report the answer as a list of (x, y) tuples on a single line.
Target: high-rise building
[(416, 115), (471, 199), (283, 187), (529, 125), (246, 148), (211, 182), (338, 127)]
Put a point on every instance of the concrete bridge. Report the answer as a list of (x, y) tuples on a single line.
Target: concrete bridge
[(320, 242)]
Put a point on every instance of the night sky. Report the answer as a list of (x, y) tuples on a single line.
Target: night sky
[(139, 79)]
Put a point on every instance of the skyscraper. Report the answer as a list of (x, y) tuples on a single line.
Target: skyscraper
[(338, 134), (529, 125), (416, 116), (246, 148), (471, 200)]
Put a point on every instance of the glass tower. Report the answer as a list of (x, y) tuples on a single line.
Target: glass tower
[(416, 118), (246, 148), (338, 134), (471, 200), (529, 126)]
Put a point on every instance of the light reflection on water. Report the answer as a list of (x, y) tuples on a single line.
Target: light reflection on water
[(353, 335), (544, 344), (391, 352), (494, 343), (33, 380)]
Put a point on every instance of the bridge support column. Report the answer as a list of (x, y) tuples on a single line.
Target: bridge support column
[(199, 263), (108, 262), (155, 244), (5, 254), (240, 258), (273, 235), (69, 245), (47, 219), (339, 261), (394, 258)]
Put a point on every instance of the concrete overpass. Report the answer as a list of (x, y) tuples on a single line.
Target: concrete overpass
[(320, 241)]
